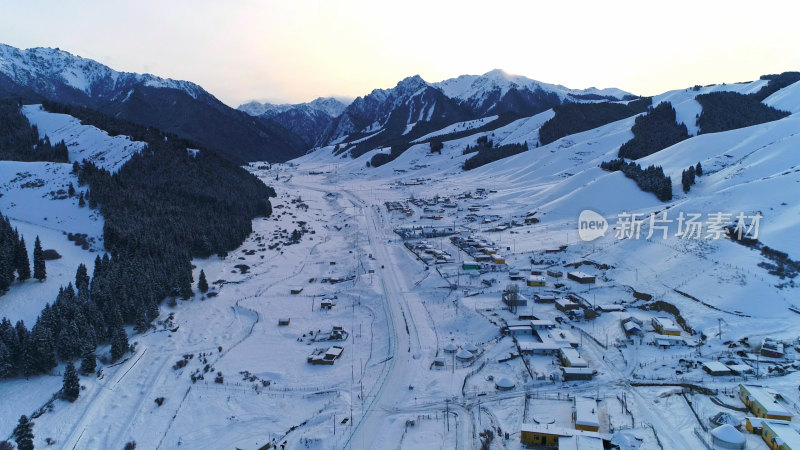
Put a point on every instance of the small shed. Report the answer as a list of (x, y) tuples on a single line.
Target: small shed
[(326, 304), (470, 265), (716, 368), (565, 304), (545, 298), (283, 322), (555, 273), (571, 358), (632, 325), (577, 373), (536, 281), (581, 277), (584, 414)]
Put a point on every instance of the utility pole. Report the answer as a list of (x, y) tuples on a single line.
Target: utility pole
[(447, 414)]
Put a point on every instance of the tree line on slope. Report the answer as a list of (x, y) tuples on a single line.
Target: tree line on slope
[(14, 262), (571, 118), (19, 140), (164, 206), (654, 131), (650, 179), (723, 111), (776, 83), (485, 155)]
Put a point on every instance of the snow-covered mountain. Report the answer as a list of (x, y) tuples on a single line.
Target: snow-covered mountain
[(411, 108), (179, 107), (54, 73), (415, 107), (306, 120), (330, 106), (497, 91)]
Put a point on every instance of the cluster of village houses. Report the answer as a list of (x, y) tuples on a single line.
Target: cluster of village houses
[(535, 336)]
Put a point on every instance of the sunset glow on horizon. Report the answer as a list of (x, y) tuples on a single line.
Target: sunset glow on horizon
[(290, 51)]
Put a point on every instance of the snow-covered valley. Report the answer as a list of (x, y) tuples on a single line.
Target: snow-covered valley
[(417, 348)]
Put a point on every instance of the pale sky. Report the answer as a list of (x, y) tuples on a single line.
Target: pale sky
[(297, 50)]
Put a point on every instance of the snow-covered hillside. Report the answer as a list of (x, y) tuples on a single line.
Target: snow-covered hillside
[(84, 142), (35, 198), (687, 109)]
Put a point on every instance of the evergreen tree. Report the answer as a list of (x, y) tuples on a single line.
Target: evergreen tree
[(71, 190), (698, 169), (685, 181), (202, 284), (81, 201), (5, 268), (6, 365), (71, 388), (89, 362), (23, 434), (39, 269), (42, 349), (119, 343), (92, 200), (82, 278), (23, 264)]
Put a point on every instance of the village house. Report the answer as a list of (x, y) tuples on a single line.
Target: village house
[(584, 414), (581, 277), (564, 305), (761, 403), (570, 357), (771, 348), (536, 281), (777, 434), (514, 299), (716, 368), (577, 373), (665, 326), (563, 438)]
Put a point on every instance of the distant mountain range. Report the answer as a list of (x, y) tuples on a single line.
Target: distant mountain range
[(264, 131), (179, 107), (413, 108), (306, 120)]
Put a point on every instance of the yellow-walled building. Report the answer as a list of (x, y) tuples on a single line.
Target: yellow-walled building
[(762, 404)]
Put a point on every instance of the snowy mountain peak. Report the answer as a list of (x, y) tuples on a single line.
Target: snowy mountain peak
[(330, 106), (411, 84), (49, 69)]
